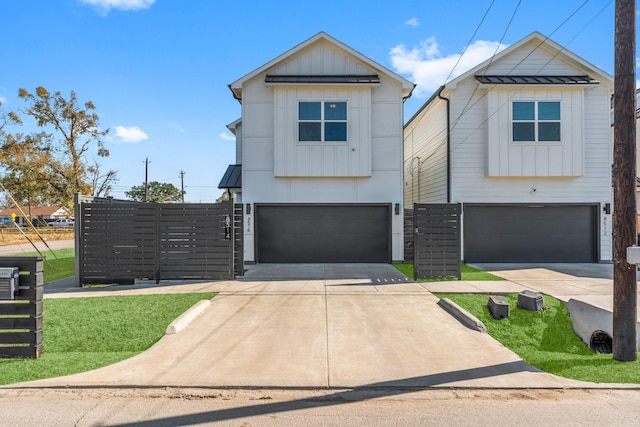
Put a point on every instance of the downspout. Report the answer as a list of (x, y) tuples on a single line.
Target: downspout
[(448, 142)]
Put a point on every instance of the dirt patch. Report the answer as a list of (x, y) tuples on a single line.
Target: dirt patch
[(13, 236)]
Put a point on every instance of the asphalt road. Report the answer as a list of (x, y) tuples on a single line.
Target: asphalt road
[(390, 407)]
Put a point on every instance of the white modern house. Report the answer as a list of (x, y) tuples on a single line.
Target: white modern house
[(319, 162), (523, 141)]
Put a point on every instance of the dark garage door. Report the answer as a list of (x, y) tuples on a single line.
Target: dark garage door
[(323, 233), (558, 233)]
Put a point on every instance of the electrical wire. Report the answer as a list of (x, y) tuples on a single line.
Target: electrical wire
[(465, 109)]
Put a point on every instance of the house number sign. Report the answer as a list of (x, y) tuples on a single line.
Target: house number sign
[(227, 228)]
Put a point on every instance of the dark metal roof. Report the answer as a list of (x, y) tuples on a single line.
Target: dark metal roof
[(536, 80), (325, 79), (232, 177)]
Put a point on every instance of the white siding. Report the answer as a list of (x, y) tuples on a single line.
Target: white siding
[(321, 57), (334, 159), (470, 151), (277, 169), (425, 156), (506, 158), (487, 168), (532, 59), (239, 143)]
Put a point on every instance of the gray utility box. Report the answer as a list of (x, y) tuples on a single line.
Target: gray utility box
[(9, 277), (498, 307), (530, 300)]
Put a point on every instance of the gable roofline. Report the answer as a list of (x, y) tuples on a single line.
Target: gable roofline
[(233, 125), (602, 75), (236, 86)]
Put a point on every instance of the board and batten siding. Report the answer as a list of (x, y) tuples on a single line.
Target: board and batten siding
[(322, 57), (471, 182), (562, 158), (532, 59), (425, 156), (322, 159), (276, 168)]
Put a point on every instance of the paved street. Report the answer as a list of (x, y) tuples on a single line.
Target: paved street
[(322, 350), (268, 407)]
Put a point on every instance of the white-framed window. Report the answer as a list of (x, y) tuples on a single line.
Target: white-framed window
[(322, 121), (535, 121)]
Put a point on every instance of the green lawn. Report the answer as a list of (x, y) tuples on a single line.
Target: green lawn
[(546, 340), (81, 334), (58, 264), (468, 273)]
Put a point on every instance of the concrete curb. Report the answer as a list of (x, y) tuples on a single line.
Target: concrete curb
[(462, 315), (187, 317)]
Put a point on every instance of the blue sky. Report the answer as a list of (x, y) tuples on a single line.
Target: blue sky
[(158, 70)]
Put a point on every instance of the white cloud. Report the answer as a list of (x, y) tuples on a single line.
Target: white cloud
[(413, 22), (3, 100), (427, 67), (107, 5), (177, 126), (130, 134), (227, 137)]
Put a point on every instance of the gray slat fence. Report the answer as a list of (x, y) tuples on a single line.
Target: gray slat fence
[(437, 240), (238, 240), (123, 241), (21, 318), (408, 235)]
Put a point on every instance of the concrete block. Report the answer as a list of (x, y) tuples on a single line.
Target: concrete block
[(462, 315), (187, 317), (498, 307), (530, 300)]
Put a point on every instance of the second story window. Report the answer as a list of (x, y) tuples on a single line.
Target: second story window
[(536, 121), (322, 121)]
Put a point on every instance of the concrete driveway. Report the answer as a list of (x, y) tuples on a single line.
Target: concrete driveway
[(591, 283), (549, 271), (319, 333), (375, 273)]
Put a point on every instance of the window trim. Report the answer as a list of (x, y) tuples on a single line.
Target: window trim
[(322, 121), (536, 121)]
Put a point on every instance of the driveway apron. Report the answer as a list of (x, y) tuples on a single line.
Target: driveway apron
[(317, 333)]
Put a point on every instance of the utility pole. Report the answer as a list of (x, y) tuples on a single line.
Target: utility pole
[(146, 180), (182, 184), (625, 293)]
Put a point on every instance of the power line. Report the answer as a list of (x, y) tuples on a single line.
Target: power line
[(470, 40), (465, 110)]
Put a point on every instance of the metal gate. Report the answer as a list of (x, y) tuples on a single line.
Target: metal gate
[(437, 240), (123, 241)]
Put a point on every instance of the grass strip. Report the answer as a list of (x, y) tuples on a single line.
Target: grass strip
[(58, 264), (81, 334), (468, 273), (546, 340)]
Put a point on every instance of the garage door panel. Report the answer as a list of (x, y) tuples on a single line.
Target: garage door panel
[(323, 233), (530, 234)]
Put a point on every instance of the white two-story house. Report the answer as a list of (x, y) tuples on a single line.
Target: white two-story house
[(319, 162), (523, 141)]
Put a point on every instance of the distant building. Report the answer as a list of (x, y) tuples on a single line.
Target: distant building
[(37, 214)]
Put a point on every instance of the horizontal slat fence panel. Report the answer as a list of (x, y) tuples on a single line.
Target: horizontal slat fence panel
[(121, 242), (437, 240), (21, 318), (408, 235), (238, 240)]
